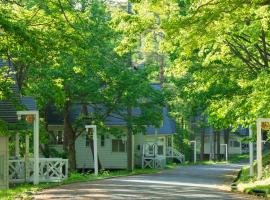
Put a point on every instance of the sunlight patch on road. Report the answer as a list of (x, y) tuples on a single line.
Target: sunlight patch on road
[(173, 183)]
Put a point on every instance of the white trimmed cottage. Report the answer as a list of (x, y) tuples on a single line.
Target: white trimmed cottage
[(151, 149)]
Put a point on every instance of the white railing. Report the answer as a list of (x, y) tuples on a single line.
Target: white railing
[(173, 153), (154, 162), (16, 170), (150, 157), (50, 170)]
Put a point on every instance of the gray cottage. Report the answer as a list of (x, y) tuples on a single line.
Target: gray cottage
[(151, 149)]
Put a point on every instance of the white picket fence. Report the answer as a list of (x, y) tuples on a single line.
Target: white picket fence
[(50, 170)]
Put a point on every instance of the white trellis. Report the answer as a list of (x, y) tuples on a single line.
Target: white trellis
[(50, 170)]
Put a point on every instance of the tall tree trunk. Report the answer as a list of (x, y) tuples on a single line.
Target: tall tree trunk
[(129, 140), (69, 138), (202, 143), (218, 145)]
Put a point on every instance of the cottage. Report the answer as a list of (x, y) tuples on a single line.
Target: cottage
[(19, 167), (152, 145), (235, 142)]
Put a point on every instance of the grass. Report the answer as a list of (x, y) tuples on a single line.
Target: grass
[(250, 185), (24, 191), (237, 158)]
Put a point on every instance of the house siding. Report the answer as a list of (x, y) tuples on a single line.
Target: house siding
[(208, 145), (108, 159), (84, 158)]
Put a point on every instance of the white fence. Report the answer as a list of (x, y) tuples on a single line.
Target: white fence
[(50, 170)]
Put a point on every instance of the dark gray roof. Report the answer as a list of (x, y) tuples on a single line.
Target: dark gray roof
[(168, 126), (29, 103), (9, 107)]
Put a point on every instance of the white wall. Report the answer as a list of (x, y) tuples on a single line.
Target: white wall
[(208, 145)]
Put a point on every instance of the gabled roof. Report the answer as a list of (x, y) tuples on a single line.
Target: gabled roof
[(29, 103), (168, 126), (7, 107)]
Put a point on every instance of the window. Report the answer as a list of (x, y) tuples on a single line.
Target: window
[(60, 137), (102, 141), (160, 150), (57, 137), (151, 150), (234, 143), (118, 145)]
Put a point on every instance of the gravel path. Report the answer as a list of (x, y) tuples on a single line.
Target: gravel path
[(185, 182)]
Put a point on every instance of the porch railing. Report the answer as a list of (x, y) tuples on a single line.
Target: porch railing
[(173, 153)]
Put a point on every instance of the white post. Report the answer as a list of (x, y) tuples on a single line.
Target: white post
[(94, 127), (26, 157), (95, 150), (240, 146), (17, 145), (27, 145), (172, 146), (36, 149), (259, 148), (195, 157), (132, 160), (251, 170), (36, 141), (226, 145), (143, 156)]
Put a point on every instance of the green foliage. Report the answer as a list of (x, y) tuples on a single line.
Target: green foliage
[(3, 128), (219, 52)]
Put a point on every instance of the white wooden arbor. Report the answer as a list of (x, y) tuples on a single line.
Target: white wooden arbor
[(259, 145), (35, 169), (35, 115), (94, 128)]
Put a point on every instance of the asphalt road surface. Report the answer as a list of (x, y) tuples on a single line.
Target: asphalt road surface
[(185, 182)]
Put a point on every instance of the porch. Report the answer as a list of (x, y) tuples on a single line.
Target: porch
[(156, 155)]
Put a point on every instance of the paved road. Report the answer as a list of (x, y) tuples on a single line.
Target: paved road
[(185, 182)]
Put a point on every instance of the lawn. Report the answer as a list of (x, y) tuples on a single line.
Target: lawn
[(23, 191), (251, 185)]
